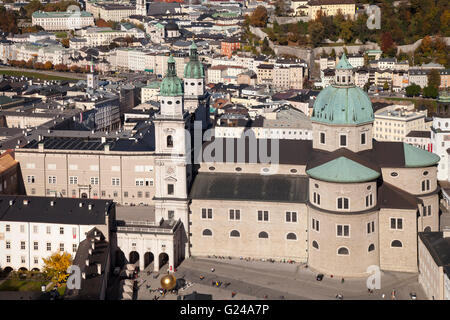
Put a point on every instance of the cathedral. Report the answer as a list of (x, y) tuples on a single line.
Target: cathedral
[(340, 203)]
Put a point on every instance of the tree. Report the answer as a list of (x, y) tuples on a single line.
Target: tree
[(385, 86), (434, 78), (430, 92), (48, 65), (413, 90), (280, 8), (367, 86), (387, 44), (259, 17), (316, 32), (55, 267)]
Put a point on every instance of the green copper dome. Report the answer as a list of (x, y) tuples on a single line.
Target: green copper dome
[(346, 105), (171, 85), (415, 157), (343, 170), (194, 68)]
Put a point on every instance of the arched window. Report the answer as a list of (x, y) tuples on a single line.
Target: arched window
[(235, 233), (427, 229), (291, 236), (343, 251), (207, 232), (315, 244), (263, 235), (371, 247), (169, 141), (396, 244)]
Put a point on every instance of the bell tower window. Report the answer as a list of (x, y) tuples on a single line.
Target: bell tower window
[(343, 140), (169, 142)]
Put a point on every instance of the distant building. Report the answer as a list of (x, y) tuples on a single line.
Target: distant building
[(58, 21), (332, 7), (434, 264), (420, 139), (394, 125), (227, 47), (419, 77)]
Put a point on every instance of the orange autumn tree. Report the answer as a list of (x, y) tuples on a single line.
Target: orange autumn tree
[(55, 266)]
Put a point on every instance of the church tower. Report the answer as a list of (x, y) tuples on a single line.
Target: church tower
[(172, 168), (342, 116), (196, 98)]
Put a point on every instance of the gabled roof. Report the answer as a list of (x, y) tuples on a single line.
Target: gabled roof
[(343, 170), (415, 157)]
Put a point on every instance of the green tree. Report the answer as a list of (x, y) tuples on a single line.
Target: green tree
[(430, 92), (386, 86), (434, 78), (413, 90)]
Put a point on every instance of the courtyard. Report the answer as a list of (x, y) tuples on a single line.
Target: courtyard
[(250, 280)]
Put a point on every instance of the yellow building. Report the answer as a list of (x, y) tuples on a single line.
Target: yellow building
[(332, 7)]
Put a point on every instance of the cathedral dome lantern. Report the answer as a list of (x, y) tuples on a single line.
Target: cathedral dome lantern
[(342, 114)]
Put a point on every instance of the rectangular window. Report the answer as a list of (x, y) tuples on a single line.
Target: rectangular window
[(49, 230), (343, 140), (8, 244), (36, 245), (36, 260), (343, 230), (49, 246), (73, 180), (35, 229), (291, 216), (263, 215), (22, 228), (235, 214), (22, 259), (51, 179), (8, 228), (61, 230), (22, 245), (429, 210), (30, 179), (73, 167), (170, 189), (74, 247), (207, 213), (322, 137), (8, 259), (363, 138), (139, 182), (397, 223), (61, 247), (94, 180), (170, 214), (115, 181), (93, 167), (51, 166)]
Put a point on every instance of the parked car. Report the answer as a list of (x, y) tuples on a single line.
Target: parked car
[(319, 277)]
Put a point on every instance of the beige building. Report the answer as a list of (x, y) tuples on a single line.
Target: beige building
[(340, 203), (88, 168), (395, 124), (332, 7)]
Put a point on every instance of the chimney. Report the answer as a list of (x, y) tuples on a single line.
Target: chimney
[(83, 275), (25, 201), (103, 139), (11, 202), (52, 203), (87, 262), (81, 204), (93, 245), (99, 268), (90, 206), (90, 251), (41, 147), (106, 147)]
